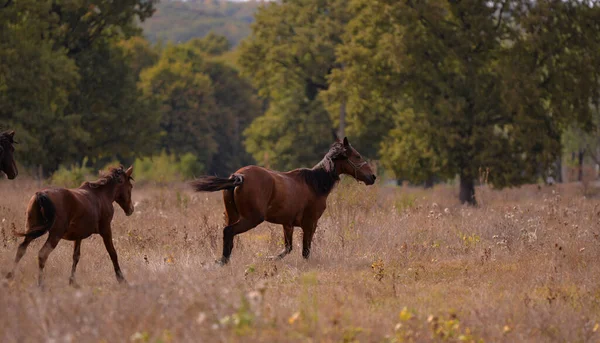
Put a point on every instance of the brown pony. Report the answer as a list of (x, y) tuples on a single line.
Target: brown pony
[(295, 198), (7, 160), (76, 214)]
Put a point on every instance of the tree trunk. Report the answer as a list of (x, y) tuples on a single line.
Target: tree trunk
[(429, 182), (342, 131), (580, 164), (467, 190), (559, 176)]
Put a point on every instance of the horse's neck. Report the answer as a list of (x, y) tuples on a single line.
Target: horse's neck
[(105, 192), (323, 178)]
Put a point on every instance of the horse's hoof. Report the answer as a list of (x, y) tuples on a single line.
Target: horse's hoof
[(74, 284), (222, 262), (9, 275)]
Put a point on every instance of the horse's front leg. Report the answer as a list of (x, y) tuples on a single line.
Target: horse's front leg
[(108, 243), (76, 254)]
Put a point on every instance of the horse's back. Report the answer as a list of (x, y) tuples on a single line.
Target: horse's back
[(279, 197), (77, 212)]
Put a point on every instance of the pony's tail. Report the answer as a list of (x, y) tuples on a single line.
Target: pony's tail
[(47, 212), (213, 183)]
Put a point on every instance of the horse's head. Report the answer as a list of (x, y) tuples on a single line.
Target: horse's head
[(124, 187), (350, 162), (7, 159)]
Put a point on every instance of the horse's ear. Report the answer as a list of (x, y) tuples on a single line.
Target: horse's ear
[(346, 143), (11, 134), (129, 171)]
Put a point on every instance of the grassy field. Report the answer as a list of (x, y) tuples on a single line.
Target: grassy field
[(388, 265)]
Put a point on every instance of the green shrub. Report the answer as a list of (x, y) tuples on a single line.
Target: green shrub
[(166, 168), (71, 177)]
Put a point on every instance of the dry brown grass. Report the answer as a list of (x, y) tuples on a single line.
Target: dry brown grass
[(387, 265)]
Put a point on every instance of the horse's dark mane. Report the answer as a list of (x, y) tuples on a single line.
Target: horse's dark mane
[(323, 177), (113, 175)]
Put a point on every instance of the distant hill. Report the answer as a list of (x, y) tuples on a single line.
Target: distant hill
[(178, 21)]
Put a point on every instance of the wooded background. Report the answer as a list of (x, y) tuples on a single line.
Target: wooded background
[(502, 91)]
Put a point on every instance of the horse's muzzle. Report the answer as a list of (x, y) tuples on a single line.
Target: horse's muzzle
[(130, 212), (371, 179)]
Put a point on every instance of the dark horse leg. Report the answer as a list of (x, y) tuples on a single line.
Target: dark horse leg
[(308, 231), (230, 231), (76, 253), (108, 243), (50, 244), (288, 235), (20, 252)]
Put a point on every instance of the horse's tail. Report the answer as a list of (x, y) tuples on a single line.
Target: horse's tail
[(45, 210), (213, 183)]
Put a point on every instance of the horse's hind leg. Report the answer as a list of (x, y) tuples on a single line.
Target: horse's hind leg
[(230, 209), (76, 253), (108, 243), (288, 235), (50, 244), (230, 231), (20, 252), (308, 232)]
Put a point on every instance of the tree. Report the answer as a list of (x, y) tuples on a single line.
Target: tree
[(178, 84), (35, 81), (119, 123), (205, 104), (462, 99), (289, 57), (58, 64)]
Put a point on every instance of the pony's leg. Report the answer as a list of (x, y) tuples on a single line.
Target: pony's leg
[(307, 235), (76, 253), (288, 234), (50, 244), (230, 231), (20, 252), (108, 243)]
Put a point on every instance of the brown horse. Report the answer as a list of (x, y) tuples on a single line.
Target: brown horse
[(76, 214), (295, 198), (7, 150)]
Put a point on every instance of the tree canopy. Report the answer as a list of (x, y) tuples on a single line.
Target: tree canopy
[(79, 83)]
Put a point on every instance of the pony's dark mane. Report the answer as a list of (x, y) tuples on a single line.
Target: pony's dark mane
[(113, 175), (6, 139), (323, 177)]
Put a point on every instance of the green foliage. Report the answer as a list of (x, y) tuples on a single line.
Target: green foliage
[(205, 105), (64, 84), (212, 44), (470, 84), (72, 176), (179, 22), (166, 168)]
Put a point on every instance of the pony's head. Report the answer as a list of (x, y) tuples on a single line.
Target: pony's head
[(121, 179), (7, 158), (348, 161), (124, 187)]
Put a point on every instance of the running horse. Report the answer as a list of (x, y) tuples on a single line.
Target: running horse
[(76, 214), (294, 198), (7, 150)]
